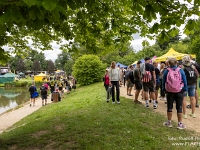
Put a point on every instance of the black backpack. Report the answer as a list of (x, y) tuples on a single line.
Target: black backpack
[(131, 76), (43, 90), (197, 67), (191, 75), (127, 74)]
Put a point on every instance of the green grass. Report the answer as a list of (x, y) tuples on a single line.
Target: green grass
[(84, 121)]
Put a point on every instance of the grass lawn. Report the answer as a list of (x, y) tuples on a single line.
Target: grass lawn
[(84, 121)]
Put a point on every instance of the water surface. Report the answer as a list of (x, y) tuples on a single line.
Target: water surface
[(12, 97)]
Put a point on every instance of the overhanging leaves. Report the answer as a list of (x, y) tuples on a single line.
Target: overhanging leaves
[(49, 5), (30, 2)]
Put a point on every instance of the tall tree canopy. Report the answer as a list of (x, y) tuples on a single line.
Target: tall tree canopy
[(93, 23)]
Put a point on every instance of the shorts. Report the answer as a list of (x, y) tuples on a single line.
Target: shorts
[(190, 90), (138, 85), (157, 86), (129, 84), (44, 97), (148, 86), (31, 96)]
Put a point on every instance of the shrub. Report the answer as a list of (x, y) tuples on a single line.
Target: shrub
[(88, 69)]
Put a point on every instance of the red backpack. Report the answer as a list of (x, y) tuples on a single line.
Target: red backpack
[(147, 76)]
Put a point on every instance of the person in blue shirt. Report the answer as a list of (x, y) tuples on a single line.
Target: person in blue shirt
[(174, 96)]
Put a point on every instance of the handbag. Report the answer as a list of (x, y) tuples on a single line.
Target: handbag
[(35, 94)]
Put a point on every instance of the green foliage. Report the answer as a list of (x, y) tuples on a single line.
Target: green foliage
[(195, 46), (88, 69), (16, 84), (98, 25), (68, 67)]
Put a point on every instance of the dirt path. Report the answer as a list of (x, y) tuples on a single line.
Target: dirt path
[(191, 123), (10, 118)]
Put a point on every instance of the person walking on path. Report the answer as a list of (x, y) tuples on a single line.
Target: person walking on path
[(114, 77), (149, 82), (43, 91), (191, 77), (130, 81), (157, 72), (162, 94), (32, 90), (107, 85), (174, 84), (137, 81)]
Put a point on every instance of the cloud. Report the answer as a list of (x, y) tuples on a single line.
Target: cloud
[(53, 54), (137, 42)]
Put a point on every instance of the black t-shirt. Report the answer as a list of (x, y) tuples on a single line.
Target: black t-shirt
[(150, 67), (157, 71), (32, 89)]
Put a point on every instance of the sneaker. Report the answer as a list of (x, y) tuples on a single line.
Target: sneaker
[(185, 116), (188, 106), (168, 124), (181, 126), (161, 98), (113, 102), (192, 115), (130, 95), (197, 105), (30, 105), (155, 106), (147, 105), (118, 102)]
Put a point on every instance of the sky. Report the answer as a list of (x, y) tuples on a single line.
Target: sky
[(136, 44)]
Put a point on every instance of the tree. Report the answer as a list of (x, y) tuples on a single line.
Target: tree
[(28, 64), (20, 66), (68, 67), (95, 24), (36, 66), (62, 59), (88, 69), (195, 48), (50, 66)]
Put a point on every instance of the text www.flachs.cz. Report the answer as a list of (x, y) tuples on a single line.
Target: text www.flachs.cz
[(186, 144)]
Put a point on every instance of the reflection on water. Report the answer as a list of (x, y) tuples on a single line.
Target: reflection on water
[(12, 97)]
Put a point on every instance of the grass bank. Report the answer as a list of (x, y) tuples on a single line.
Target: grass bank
[(83, 120)]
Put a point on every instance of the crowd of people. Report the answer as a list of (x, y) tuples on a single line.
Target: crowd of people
[(53, 87), (173, 80)]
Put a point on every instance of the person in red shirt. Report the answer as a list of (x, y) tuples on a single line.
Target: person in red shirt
[(107, 85)]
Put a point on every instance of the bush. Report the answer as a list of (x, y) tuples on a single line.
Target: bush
[(88, 69)]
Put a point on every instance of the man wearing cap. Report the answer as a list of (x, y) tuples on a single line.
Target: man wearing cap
[(149, 82), (137, 81)]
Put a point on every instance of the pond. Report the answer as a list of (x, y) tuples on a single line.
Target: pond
[(12, 97)]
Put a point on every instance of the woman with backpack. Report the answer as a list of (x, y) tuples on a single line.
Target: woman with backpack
[(191, 77), (174, 84)]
